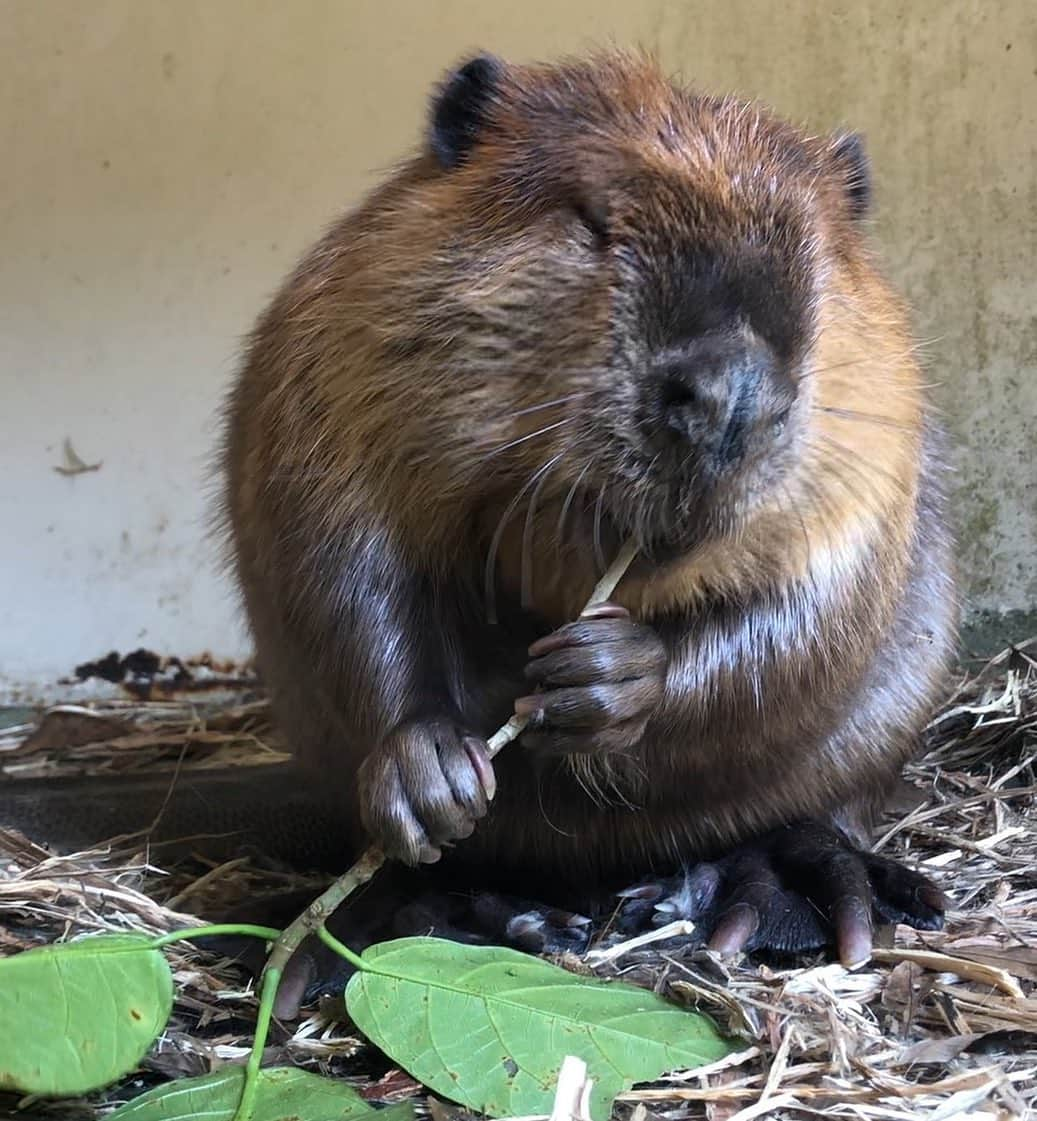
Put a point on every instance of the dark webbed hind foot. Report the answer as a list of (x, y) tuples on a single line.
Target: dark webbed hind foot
[(799, 887), (508, 920)]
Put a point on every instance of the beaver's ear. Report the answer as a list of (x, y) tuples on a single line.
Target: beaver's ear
[(459, 109), (851, 164)]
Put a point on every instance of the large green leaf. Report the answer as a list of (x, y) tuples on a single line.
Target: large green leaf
[(490, 1027), (78, 1015), (284, 1092)]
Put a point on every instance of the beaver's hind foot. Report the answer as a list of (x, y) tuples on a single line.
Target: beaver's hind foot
[(799, 887)]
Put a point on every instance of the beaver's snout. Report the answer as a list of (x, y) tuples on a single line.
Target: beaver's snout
[(722, 396)]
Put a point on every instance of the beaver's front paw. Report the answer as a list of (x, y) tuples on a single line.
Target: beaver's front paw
[(600, 680), (426, 784)]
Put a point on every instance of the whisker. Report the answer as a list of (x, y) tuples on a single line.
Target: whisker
[(870, 496), (528, 530), (859, 463), (823, 503), (530, 436), (599, 552), (638, 509), (543, 810), (299, 473), (871, 418), (566, 506), (868, 359), (546, 405), (845, 461), (794, 510), (491, 559)]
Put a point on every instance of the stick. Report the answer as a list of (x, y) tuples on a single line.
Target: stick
[(321, 909)]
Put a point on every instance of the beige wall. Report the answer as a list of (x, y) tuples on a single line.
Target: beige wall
[(164, 163)]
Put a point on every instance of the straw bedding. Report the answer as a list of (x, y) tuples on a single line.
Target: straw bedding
[(937, 1025)]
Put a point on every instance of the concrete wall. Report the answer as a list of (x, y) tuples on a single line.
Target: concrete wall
[(164, 163)]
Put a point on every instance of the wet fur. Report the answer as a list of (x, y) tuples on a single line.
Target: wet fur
[(463, 347)]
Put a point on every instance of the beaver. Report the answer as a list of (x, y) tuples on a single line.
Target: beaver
[(598, 307)]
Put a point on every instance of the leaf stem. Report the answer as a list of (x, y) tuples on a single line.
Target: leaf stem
[(341, 948), (267, 933)]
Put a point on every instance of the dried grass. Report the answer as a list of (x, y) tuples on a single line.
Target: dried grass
[(938, 1025)]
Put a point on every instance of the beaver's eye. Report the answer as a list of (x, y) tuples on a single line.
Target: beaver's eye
[(594, 216)]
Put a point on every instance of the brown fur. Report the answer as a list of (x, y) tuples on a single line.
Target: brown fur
[(397, 400)]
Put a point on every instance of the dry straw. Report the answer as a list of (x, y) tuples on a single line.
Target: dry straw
[(937, 1025)]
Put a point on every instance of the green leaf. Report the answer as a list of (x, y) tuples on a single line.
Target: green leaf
[(284, 1092), (78, 1015), (490, 1027)]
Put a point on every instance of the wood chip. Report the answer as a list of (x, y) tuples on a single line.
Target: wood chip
[(944, 963)]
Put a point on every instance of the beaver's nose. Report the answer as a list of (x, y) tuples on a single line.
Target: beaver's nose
[(719, 392)]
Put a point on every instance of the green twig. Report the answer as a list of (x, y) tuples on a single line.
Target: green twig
[(250, 1086), (321, 909)]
